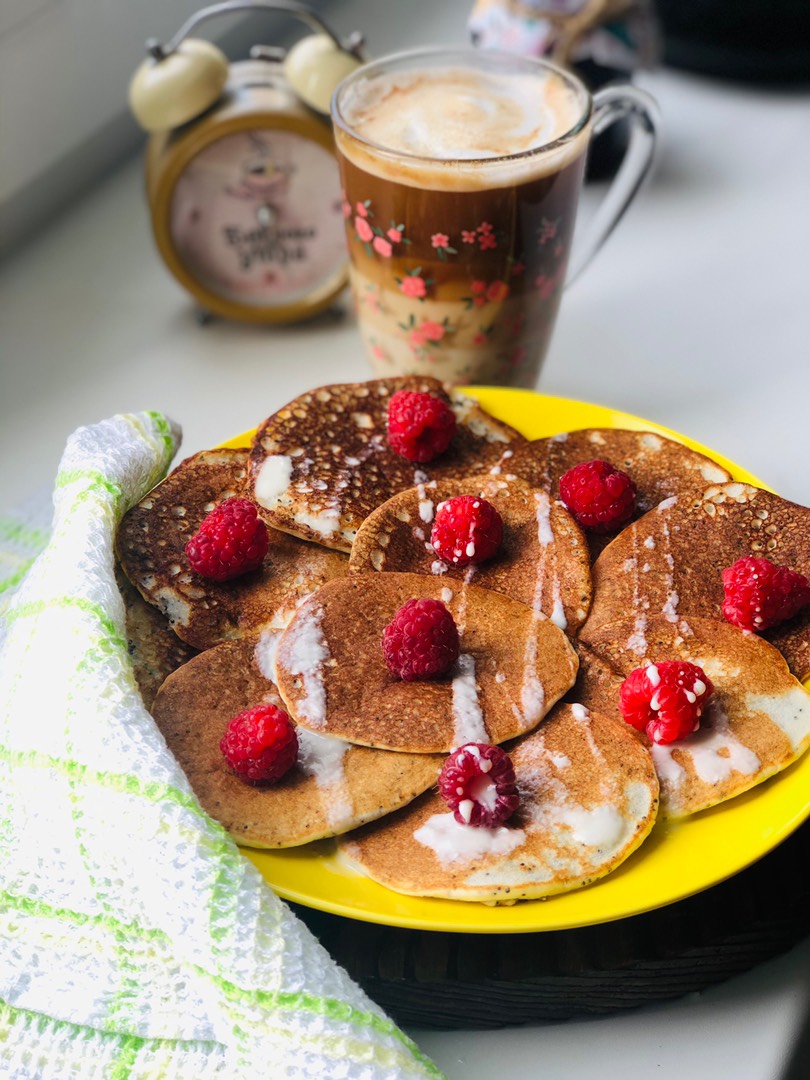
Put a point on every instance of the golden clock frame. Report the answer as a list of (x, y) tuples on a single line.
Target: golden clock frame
[(170, 153)]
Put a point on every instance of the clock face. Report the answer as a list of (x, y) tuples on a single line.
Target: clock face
[(256, 218)]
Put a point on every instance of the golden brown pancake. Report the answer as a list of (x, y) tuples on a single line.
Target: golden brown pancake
[(334, 788), (598, 684), (322, 463), (155, 651), (659, 467), (151, 546), (756, 724), (588, 799), (670, 561), (543, 560), (514, 665)]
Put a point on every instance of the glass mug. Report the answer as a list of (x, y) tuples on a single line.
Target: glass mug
[(461, 171)]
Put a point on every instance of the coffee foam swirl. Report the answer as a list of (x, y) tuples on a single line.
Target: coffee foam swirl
[(455, 117)]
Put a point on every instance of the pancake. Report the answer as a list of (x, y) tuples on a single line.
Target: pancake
[(588, 800), (597, 686), (341, 786), (151, 546), (321, 464), (670, 561), (514, 665), (756, 724), (543, 559), (659, 467), (155, 651)]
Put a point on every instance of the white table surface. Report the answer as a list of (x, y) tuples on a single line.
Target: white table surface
[(696, 315)]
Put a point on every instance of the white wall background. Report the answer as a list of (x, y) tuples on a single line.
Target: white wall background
[(65, 66)]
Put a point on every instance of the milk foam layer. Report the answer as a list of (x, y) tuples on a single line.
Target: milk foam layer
[(456, 116)]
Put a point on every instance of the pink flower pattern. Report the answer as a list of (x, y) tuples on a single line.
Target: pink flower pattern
[(432, 331), (364, 230), (428, 334), (413, 286)]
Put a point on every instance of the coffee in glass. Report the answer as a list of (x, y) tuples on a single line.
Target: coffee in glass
[(461, 174)]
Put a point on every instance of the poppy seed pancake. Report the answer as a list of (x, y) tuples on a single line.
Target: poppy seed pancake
[(514, 665), (543, 559), (589, 798), (322, 464), (756, 724), (151, 545), (670, 561), (334, 787), (658, 466)]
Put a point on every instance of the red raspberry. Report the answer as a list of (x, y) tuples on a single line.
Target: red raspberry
[(231, 541), (477, 782), (666, 699), (421, 641), (600, 497), (260, 744), (466, 530), (759, 594), (420, 426)]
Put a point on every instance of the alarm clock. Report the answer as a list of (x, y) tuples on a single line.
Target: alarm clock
[(241, 176)]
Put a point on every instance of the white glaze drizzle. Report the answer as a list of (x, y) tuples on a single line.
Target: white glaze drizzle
[(305, 652), (467, 715), (453, 843), (322, 758)]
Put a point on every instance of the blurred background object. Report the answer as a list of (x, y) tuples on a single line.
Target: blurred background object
[(64, 120), (602, 41), (762, 41)]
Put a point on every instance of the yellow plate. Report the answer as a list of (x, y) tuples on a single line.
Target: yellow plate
[(677, 860)]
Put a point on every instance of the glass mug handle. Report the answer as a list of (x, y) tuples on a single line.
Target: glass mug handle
[(611, 104)]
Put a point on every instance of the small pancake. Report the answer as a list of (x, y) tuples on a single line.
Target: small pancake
[(514, 665), (598, 684), (756, 724), (155, 651), (659, 467), (543, 560), (322, 463), (151, 546), (670, 561), (588, 799), (344, 786)]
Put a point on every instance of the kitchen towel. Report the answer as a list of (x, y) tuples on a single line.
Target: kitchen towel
[(135, 939)]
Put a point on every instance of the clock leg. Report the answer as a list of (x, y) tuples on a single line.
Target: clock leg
[(202, 316)]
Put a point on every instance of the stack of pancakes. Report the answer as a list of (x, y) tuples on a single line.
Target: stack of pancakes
[(549, 628)]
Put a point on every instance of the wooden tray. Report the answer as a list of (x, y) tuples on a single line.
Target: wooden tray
[(447, 980)]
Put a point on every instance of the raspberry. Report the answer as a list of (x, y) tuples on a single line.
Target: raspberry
[(260, 744), (600, 497), (477, 782), (420, 426), (466, 530), (421, 641), (231, 541), (759, 594), (666, 699)]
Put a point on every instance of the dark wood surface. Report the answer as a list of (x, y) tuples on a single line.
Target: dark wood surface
[(444, 980)]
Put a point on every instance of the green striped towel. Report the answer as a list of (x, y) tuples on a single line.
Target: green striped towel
[(135, 939)]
